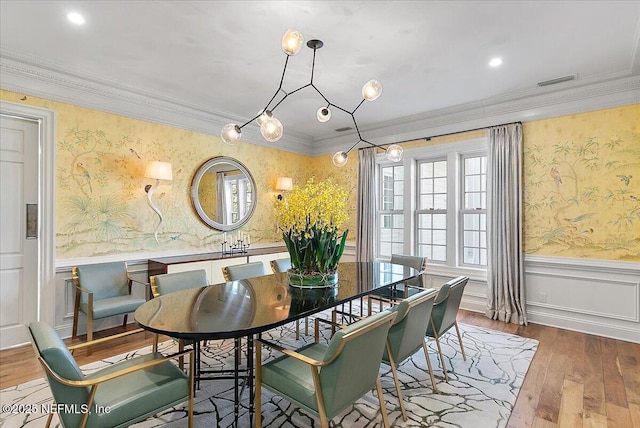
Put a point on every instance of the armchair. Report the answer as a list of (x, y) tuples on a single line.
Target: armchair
[(326, 379), (406, 336), (243, 271), (167, 283), (443, 316), (119, 395), (102, 291), (412, 285)]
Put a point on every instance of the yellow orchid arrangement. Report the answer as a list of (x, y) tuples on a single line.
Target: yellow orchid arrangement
[(309, 218)]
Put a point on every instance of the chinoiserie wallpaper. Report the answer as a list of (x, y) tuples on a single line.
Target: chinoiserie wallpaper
[(581, 178), (582, 185)]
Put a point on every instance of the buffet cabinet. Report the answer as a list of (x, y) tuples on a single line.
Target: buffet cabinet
[(213, 263)]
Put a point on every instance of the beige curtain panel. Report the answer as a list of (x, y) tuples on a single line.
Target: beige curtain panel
[(505, 270)]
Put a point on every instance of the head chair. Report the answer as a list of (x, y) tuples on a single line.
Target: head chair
[(243, 271), (280, 265), (103, 290)]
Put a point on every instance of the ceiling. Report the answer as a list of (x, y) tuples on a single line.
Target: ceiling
[(220, 61)]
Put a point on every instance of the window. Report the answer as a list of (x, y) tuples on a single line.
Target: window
[(432, 209), (434, 205), (391, 215), (238, 191), (474, 211)]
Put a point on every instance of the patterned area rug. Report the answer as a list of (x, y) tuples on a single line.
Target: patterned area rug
[(481, 391)]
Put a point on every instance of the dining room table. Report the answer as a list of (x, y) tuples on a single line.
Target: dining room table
[(243, 309)]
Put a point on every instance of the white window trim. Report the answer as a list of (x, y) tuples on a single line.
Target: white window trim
[(452, 152)]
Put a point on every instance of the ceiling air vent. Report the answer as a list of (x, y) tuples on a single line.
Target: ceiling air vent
[(346, 128), (557, 80)]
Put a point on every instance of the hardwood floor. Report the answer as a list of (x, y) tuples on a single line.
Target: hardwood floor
[(575, 379)]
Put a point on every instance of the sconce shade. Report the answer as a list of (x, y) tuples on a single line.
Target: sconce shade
[(231, 134), (292, 42), (394, 153), (323, 114), (371, 90), (159, 170), (271, 129), (284, 183), (340, 159)]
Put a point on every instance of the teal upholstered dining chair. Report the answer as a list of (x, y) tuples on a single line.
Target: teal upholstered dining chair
[(120, 394), (103, 290), (413, 285), (280, 265), (283, 265), (325, 379), (170, 282), (406, 336), (445, 311), (243, 271)]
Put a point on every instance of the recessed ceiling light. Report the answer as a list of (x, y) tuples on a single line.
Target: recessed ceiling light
[(76, 18), (495, 62)]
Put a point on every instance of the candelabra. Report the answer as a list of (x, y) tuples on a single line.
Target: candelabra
[(238, 245)]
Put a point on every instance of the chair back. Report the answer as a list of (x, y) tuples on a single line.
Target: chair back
[(105, 280), (406, 335), (280, 265), (416, 262), (354, 355), (446, 305), (169, 282), (243, 271), (53, 353)]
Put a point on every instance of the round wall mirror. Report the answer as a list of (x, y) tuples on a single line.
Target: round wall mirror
[(223, 193)]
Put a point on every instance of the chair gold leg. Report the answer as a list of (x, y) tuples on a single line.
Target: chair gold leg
[(191, 389), (394, 371), (444, 367), (49, 419), (76, 313), (258, 388), (426, 356), (89, 332), (383, 408), (464, 357), (180, 349)]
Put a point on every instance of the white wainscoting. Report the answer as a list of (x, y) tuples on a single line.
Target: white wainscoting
[(599, 297)]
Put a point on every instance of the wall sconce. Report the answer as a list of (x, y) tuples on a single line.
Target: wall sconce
[(159, 171), (283, 184)]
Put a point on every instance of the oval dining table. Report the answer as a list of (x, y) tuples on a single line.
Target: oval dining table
[(248, 307)]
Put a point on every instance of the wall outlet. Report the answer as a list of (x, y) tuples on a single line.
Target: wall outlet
[(543, 297)]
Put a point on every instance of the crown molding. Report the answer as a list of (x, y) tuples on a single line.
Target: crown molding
[(30, 76)]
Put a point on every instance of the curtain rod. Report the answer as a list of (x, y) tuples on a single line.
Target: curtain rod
[(442, 135)]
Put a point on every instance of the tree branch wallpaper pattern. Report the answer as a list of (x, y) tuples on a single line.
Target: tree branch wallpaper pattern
[(582, 185)]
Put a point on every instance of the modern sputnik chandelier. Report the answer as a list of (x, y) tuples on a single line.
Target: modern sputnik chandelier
[(270, 126)]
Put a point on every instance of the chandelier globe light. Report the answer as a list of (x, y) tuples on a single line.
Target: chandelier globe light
[(292, 42), (323, 114), (271, 128), (371, 90), (231, 134), (394, 152)]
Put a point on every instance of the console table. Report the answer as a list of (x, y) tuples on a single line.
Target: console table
[(213, 263)]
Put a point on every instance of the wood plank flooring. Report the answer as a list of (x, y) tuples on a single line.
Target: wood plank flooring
[(575, 379)]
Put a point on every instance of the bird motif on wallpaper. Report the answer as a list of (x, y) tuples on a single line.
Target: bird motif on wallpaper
[(555, 174), (579, 218), (133, 152), (625, 178), (80, 168)]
